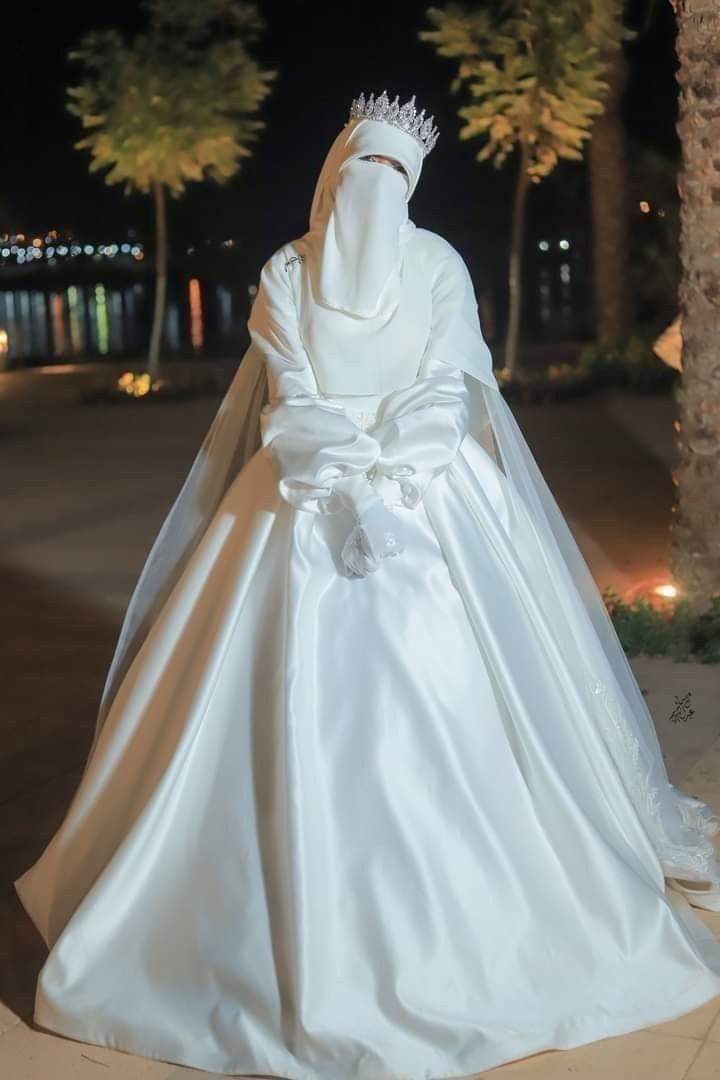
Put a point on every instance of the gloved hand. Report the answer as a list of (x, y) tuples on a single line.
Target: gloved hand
[(375, 536)]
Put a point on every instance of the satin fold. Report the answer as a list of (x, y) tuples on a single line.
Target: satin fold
[(381, 827), (357, 827)]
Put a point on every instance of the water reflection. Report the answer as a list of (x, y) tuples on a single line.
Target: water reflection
[(196, 329), (557, 303), (103, 319), (205, 317)]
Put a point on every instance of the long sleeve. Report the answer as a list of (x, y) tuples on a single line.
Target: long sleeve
[(322, 456), (420, 428)]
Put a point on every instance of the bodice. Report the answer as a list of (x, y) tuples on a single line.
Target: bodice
[(355, 356), (361, 408)]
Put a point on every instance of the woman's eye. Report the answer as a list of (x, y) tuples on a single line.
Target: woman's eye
[(381, 161)]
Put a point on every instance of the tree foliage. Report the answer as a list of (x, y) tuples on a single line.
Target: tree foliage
[(535, 73), (179, 102)]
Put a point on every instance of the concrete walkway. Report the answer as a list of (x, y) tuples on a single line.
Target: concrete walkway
[(83, 492)]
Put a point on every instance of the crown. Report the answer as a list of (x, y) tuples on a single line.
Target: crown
[(404, 117)]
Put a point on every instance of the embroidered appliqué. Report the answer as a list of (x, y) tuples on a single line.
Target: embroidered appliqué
[(696, 857)]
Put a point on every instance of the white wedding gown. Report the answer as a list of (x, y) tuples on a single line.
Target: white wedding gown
[(361, 828)]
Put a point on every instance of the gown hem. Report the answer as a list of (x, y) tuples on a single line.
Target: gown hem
[(576, 1033)]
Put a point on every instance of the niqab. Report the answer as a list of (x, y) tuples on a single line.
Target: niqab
[(359, 219)]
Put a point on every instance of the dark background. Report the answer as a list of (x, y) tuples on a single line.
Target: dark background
[(326, 52)]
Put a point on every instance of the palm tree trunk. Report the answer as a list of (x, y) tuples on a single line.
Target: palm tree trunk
[(610, 211), (161, 269), (515, 262), (696, 523)]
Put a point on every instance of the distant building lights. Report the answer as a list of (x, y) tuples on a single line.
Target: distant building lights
[(50, 248), (544, 246), (564, 245)]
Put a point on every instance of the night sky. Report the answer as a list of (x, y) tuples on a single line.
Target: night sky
[(326, 52)]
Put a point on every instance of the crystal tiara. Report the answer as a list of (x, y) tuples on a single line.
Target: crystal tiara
[(404, 117)]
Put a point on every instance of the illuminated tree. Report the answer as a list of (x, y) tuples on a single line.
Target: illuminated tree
[(175, 105), (535, 74), (696, 525)]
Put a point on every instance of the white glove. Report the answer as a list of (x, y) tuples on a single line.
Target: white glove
[(376, 536)]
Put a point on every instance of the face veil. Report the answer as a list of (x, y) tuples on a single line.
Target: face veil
[(359, 220)]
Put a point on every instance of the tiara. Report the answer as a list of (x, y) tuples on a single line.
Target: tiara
[(404, 117)]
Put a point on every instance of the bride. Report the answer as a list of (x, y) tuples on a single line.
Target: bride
[(373, 791)]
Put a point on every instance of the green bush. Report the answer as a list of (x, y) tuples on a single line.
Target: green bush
[(559, 382), (675, 631), (603, 364), (704, 634), (626, 362)]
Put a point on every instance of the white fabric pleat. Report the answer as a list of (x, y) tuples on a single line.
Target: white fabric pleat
[(365, 828), (414, 824)]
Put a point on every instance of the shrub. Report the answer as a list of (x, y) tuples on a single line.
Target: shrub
[(626, 362), (558, 382), (670, 630)]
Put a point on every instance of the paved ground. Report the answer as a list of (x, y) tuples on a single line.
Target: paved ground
[(83, 490)]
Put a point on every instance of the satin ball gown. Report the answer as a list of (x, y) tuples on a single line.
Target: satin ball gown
[(339, 826)]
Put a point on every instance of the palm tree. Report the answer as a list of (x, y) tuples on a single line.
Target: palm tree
[(536, 77), (610, 211), (696, 523), (174, 106)]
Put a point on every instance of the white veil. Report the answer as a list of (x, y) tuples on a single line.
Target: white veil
[(231, 440), (680, 826)]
